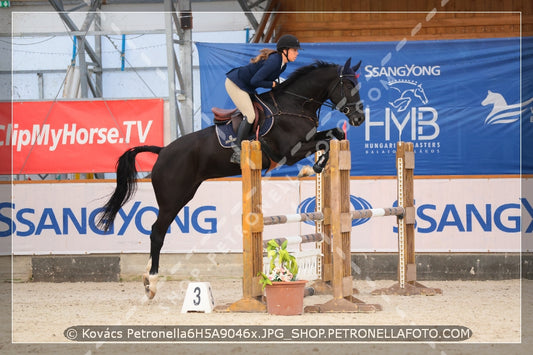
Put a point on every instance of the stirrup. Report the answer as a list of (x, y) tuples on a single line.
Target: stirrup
[(236, 156)]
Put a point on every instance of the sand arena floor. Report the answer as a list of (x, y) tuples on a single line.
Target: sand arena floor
[(492, 310)]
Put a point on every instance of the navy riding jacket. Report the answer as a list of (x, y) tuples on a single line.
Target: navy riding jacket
[(257, 75)]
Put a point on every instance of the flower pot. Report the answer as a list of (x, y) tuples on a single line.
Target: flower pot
[(285, 298)]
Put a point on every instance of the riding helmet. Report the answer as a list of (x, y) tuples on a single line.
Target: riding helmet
[(288, 41)]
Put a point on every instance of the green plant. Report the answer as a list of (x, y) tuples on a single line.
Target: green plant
[(283, 265)]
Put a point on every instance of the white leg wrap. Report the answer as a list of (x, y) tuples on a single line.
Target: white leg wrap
[(307, 170), (150, 285)]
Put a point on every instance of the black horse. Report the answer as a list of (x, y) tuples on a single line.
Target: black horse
[(189, 160)]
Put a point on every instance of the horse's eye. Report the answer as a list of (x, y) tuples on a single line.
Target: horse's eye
[(355, 89)]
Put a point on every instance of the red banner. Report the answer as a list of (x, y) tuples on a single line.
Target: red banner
[(5, 153), (80, 136)]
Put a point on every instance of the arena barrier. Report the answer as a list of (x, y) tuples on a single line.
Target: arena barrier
[(333, 218)]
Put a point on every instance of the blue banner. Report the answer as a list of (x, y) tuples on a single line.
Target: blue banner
[(460, 102)]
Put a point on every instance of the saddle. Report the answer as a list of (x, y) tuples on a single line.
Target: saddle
[(227, 122), (223, 115)]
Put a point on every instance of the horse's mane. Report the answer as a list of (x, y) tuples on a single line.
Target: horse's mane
[(298, 73)]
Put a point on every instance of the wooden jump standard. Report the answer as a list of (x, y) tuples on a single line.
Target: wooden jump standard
[(407, 284), (333, 218), (333, 199), (253, 222)]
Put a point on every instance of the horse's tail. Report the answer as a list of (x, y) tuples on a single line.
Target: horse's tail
[(126, 184)]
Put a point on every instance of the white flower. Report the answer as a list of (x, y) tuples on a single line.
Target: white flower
[(286, 277)]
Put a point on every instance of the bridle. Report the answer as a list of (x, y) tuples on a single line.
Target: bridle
[(346, 108)]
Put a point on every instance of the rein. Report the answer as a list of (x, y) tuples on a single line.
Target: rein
[(344, 109), (279, 112)]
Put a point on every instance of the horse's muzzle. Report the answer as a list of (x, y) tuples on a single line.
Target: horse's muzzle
[(357, 114), (357, 120)]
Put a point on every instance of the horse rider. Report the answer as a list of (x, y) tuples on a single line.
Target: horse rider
[(262, 71)]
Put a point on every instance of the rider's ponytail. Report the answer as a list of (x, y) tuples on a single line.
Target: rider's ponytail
[(263, 54)]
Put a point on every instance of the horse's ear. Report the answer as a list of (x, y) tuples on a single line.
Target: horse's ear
[(346, 68), (356, 66)]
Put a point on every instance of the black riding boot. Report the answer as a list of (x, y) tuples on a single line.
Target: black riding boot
[(243, 131)]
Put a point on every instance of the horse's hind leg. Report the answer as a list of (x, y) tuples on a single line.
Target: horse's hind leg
[(157, 236), (150, 281), (150, 277)]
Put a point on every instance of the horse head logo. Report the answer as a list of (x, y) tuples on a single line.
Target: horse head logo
[(408, 91), (501, 111)]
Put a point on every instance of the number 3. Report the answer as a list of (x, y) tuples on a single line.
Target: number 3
[(196, 301)]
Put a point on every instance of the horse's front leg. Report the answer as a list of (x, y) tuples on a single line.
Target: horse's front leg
[(320, 163), (328, 135), (321, 142)]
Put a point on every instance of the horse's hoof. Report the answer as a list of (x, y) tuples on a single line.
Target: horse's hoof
[(318, 169), (146, 284), (235, 158), (149, 282), (306, 171)]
